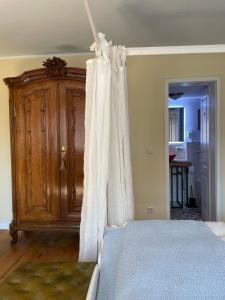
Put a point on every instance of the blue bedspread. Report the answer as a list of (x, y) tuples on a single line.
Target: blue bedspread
[(162, 260)]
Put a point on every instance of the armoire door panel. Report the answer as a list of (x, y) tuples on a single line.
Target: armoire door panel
[(36, 148), (72, 108)]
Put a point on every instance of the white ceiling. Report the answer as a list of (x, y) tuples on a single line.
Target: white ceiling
[(189, 89), (60, 26)]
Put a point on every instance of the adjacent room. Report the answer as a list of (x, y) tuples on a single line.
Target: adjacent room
[(192, 149), (112, 165)]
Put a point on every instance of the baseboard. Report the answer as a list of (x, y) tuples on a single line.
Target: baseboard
[(4, 225)]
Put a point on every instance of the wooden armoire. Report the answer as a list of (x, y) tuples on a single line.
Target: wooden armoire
[(47, 146)]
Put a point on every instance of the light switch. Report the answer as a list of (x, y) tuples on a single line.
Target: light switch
[(150, 210)]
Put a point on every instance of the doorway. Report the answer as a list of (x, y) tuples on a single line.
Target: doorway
[(192, 131)]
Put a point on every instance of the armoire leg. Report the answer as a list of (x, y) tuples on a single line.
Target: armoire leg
[(14, 233)]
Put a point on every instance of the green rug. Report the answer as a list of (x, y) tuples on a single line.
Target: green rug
[(48, 281)]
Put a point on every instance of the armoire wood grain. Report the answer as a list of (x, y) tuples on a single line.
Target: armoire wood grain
[(47, 147)]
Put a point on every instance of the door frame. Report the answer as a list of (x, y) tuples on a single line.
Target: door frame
[(218, 150)]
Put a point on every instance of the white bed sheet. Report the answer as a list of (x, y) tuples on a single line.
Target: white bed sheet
[(92, 290), (218, 228)]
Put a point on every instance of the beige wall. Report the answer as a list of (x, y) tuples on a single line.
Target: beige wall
[(146, 78), (146, 75)]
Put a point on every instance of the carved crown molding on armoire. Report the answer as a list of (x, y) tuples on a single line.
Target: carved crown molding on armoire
[(54, 68), (47, 147)]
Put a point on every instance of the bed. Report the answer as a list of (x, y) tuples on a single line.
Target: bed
[(161, 260)]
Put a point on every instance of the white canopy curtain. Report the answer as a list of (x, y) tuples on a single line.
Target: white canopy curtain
[(108, 191)]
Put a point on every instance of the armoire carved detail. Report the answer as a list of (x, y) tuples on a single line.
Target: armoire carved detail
[(47, 147), (74, 105), (55, 66), (41, 99)]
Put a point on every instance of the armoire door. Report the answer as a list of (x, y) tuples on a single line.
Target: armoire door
[(72, 108), (36, 151)]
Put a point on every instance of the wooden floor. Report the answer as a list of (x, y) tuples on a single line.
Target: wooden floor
[(36, 247)]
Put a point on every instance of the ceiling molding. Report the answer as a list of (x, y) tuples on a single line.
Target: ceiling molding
[(47, 55), (195, 49), (176, 50)]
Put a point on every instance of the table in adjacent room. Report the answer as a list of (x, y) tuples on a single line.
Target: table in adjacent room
[(179, 171)]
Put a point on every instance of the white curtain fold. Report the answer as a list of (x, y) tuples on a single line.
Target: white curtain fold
[(108, 191)]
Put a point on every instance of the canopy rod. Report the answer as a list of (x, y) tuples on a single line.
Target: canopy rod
[(91, 21)]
